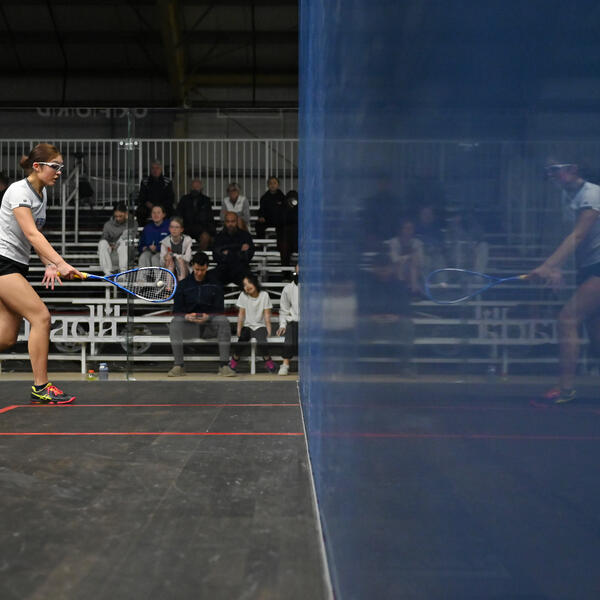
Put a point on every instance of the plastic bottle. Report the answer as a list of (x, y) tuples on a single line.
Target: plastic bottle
[(91, 375), (103, 371)]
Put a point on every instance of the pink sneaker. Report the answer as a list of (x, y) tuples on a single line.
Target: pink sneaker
[(270, 365), (233, 364)]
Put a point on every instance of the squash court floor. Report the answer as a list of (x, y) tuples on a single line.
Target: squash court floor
[(162, 490)]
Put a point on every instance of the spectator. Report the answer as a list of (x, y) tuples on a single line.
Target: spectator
[(198, 312), (428, 228), (154, 189), (195, 209), (112, 247), (176, 249), (271, 212), (465, 242), (289, 312), (151, 238), (238, 204), (406, 253), (385, 312), (287, 235), (254, 321), (232, 251)]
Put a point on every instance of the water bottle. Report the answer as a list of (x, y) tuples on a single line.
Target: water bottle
[(91, 376), (491, 373), (103, 370)]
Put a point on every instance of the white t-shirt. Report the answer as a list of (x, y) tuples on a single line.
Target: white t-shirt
[(13, 242), (254, 307), (588, 196)]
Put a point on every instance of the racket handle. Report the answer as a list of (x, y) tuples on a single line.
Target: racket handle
[(84, 275)]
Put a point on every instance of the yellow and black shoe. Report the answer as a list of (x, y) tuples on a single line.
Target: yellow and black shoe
[(565, 396), (50, 394)]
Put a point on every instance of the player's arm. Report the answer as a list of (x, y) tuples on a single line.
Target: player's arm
[(49, 256), (585, 220)]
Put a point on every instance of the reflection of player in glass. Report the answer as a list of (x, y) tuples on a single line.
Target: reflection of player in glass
[(583, 200), (22, 214)]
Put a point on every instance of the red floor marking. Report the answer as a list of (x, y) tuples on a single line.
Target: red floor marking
[(465, 436), (145, 405), (252, 433), (7, 408)]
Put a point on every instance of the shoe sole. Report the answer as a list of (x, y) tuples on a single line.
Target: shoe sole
[(69, 401)]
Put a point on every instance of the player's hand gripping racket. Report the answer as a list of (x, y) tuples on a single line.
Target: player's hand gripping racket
[(152, 284), (451, 285)]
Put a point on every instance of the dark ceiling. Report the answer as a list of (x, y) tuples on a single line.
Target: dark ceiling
[(149, 52)]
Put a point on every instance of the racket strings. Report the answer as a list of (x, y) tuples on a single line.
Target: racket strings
[(148, 283), (448, 285)]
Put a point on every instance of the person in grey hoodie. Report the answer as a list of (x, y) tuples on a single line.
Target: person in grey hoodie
[(112, 247)]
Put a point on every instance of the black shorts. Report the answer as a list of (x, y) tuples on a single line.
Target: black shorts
[(8, 266), (587, 272)]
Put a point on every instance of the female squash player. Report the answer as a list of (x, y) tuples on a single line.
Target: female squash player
[(22, 214), (583, 199)]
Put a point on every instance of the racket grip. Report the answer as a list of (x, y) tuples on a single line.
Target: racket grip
[(84, 275)]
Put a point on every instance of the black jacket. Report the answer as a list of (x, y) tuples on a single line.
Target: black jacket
[(157, 190), (273, 208), (204, 296), (233, 243), (196, 211)]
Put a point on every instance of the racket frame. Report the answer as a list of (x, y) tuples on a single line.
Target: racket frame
[(493, 281), (110, 279)]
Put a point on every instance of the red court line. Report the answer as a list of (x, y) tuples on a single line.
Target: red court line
[(466, 436), (147, 405), (7, 408), (207, 433)]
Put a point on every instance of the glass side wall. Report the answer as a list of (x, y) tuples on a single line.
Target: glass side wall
[(377, 211)]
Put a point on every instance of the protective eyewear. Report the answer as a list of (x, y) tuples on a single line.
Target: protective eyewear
[(58, 167), (553, 169)]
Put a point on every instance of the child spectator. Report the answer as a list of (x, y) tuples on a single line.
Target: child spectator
[(288, 322), (176, 249), (152, 236), (406, 253), (254, 321)]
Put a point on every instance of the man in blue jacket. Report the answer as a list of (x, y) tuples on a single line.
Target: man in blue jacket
[(198, 312)]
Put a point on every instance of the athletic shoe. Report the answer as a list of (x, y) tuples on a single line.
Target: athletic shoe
[(552, 394), (50, 394), (176, 371), (284, 370), (233, 364), (227, 371), (270, 366), (566, 396)]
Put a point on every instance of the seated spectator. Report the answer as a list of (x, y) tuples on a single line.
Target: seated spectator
[(176, 249), (385, 312), (196, 211), (232, 251), (289, 312), (271, 212), (254, 321), (151, 237), (154, 189), (198, 312), (287, 235), (406, 253), (112, 247), (466, 246), (428, 228), (237, 204)]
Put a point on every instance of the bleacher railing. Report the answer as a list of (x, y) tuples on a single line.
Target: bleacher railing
[(217, 162)]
